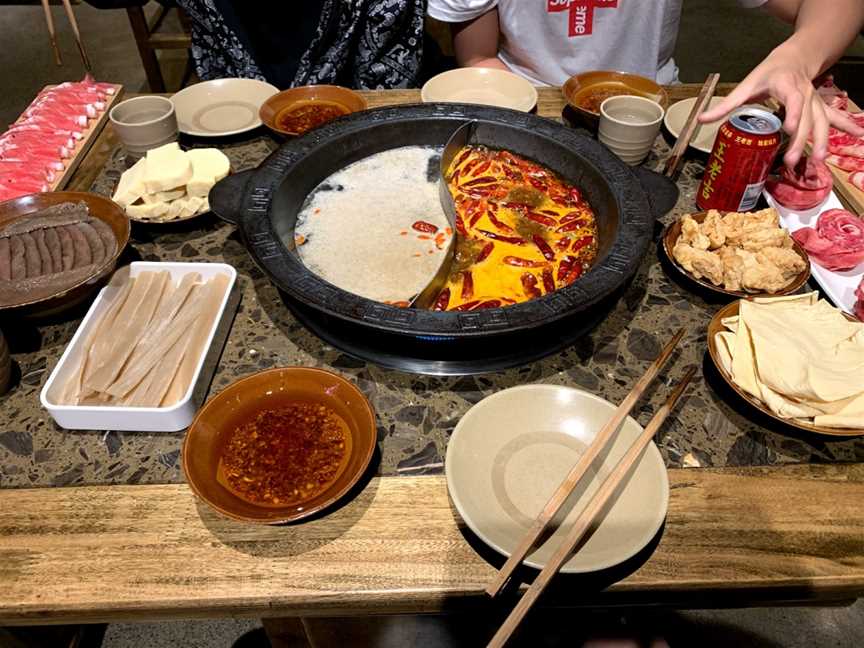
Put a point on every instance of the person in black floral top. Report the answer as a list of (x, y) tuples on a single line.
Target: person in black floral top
[(359, 43)]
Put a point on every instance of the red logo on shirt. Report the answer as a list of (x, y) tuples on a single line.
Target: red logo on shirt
[(581, 19)]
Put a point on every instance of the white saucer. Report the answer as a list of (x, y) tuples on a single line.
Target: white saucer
[(221, 107), (510, 452)]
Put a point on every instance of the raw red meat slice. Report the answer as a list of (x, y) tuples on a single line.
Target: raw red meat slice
[(801, 188), (30, 127), (837, 242), (846, 162)]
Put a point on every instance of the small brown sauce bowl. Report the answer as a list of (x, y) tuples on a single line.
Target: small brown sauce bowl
[(270, 109), (273, 389), (578, 86)]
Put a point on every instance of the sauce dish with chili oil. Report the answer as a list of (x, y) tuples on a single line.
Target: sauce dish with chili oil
[(280, 445)]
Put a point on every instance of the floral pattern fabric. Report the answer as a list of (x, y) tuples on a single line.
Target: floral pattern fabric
[(359, 43)]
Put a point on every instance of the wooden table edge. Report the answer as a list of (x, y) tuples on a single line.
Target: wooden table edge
[(710, 554)]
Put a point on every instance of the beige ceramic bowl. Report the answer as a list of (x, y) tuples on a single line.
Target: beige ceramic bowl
[(144, 123), (629, 126), (510, 452), (485, 86)]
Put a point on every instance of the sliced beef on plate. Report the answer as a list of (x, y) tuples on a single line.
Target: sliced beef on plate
[(837, 241)]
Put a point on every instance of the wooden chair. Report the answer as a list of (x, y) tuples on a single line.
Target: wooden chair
[(149, 40)]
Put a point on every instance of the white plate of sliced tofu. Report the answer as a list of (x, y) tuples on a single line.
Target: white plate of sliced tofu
[(169, 184)]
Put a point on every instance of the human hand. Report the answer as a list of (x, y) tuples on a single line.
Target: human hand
[(786, 75)]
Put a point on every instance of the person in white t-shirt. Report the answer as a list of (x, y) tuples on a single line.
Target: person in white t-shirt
[(547, 41)]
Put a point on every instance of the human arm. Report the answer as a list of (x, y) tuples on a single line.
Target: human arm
[(823, 30), (475, 42)]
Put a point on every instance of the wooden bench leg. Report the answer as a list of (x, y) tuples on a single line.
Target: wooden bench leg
[(138, 20)]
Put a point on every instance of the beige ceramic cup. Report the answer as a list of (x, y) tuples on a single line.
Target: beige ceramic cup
[(143, 123), (629, 125)]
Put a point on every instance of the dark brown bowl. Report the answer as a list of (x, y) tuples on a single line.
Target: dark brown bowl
[(348, 99), (670, 237), (210, 430), (580, 84), (715, 326), (100, 207)]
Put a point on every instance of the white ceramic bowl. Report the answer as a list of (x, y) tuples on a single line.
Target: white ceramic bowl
[(221, 107)]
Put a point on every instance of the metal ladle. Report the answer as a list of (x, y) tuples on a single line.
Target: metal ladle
[(458, 140)]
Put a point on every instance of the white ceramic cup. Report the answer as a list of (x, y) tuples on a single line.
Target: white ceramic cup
[(629, 125), (143, 123)]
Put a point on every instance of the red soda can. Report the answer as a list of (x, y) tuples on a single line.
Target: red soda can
[(742, 156)]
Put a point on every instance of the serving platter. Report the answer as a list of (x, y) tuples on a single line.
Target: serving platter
[(89, 135), (852, 195), (673, 232), (715, 326), (838, 286), (221, 107)]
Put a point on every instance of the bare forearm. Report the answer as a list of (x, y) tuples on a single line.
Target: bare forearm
[(823, 28), (475, 42)]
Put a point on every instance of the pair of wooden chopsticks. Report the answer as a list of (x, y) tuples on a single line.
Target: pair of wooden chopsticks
[(49, 20), (598, 501), (703, 100)]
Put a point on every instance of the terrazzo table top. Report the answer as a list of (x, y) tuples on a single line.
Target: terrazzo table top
[(416, 414)]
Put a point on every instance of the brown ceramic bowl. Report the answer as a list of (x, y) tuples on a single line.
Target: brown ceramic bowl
[(715, 326), (270, 109), (100, 207), (578, 89), (670, 237), (273, 388)]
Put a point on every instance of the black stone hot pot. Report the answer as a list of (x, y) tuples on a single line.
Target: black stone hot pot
[(266, 204)]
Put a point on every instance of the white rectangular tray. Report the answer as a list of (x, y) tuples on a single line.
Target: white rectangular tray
[(137, 419), (838, 286)]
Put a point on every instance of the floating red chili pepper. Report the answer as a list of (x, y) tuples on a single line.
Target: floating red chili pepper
[(504, 227), (462, 157), (483, 168), (489, 303), (548, 280), (519, 262), (478, 181), (470, 165), (571, 226), (460, 226), (562, 244), (515, 240), (564, 267), (548, 212), (540, 218), (574, 274), (467, 305), (485, 252), (423, 226), (467, 285), (581, 243), (443, 300), (537, 184), (569, 217), (544, 248), (529, 284), (575, 195)]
